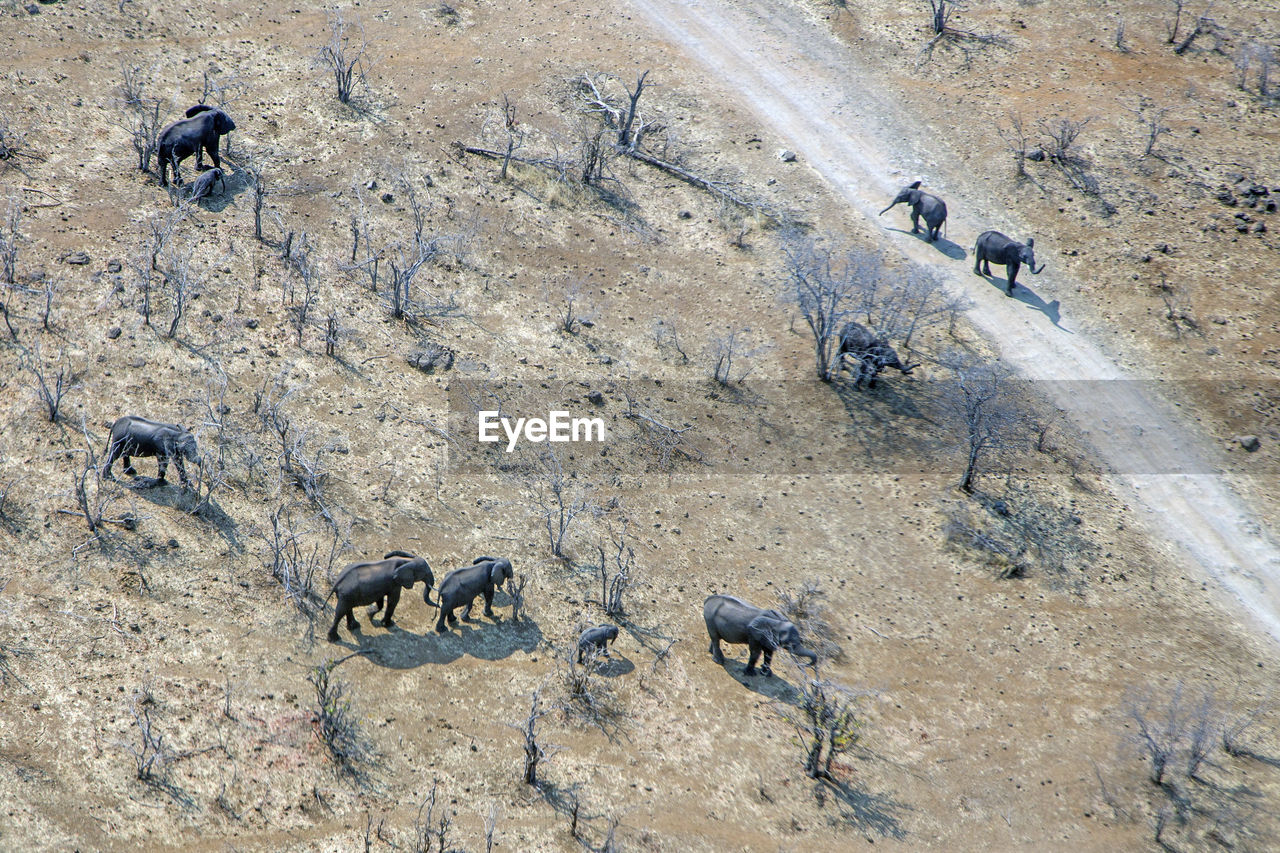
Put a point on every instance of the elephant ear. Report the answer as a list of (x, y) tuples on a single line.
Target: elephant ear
[(499, 571), (223, 123), (763, 630), (914, 186)]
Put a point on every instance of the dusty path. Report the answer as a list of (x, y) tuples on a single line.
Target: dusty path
[(804, 85)]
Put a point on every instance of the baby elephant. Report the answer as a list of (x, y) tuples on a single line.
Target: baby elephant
[(597, 638), (135, 436), (932, 208), (202, 187)]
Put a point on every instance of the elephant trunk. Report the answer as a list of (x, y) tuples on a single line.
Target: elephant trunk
[(426, 596), (1035, 271), (801, 652), (886, 210)]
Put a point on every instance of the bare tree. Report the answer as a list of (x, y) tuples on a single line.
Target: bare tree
[(987, 420), (1172, 27), (515, 589), (181, 283), (588, 698), (616, 574), (666, 335), (1250, 54), (337, 725), (807, 610), (12, 143), (143, 114), (1160, 731), (534, 752), (558, 501), (826, 720), (1151, 119), (1017, 142), (10, 238), (298, 560), (50, 382), (823, 288), (514, 135), (1204, 26), (346, 55), (946, 33), (1120, 43), (733, 346)]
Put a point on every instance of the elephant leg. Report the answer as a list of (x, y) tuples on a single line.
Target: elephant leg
[(128, 465), (767, 666), (977, 261), (213, 153), (164, 467), (333, 629), (466, 612), (375, 607), (393, 598), (182, 472), (1011, 272), (488, 604), (751, 660), (440, 626), (716, 654)]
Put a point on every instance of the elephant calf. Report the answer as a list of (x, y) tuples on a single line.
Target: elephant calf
[(135, 436), (374, 583), (202, 187), (597, 638), (994, 246), (461, 586), (764, 631), (932, 208)]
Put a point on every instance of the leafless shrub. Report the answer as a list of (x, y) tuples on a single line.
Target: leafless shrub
[(616, 574), (824, 288), (1204, 26), (1177, 306), (946, 34), (1172, 27), (490, 826), (987, 420), (808, 611), (1060, 135), (261, 190), (588, 697), (337, 725), (534, 752), (431, 829), (1165, 731), (13, 143), (448, 13), (298, 560), (143, 114), (666, 335), (733, 346), (1237, 731), (512, 132), (346, 55), (558, 500), (10, 238), (515, 589), (1151, 120), (1120, 43), (1255, 54), (1017, 141), (50, 382), (667, 443), (825, 717), (180, 283), (569, 314)]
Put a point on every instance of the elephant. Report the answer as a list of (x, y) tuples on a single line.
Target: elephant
[(376, 582), (735, 621), (869, 353), (135, 436), (994, 246), (202, 187), (461, 586), (597, 638), (195, 134), (932, 208)]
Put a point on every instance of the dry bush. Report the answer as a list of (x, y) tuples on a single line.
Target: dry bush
[(808, 611), (825, 717), (337, 726), (346, 55), (588, 697)]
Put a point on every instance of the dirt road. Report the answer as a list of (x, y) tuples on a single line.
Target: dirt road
[(804, 85)]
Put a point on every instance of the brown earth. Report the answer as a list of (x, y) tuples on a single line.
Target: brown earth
[(994, 707)]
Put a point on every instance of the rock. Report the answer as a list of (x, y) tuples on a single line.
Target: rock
[(432, 356), (114, 333), (251, 324), (1226, 197), (1270, 207), (387, 198), (1036, 156), (372, 185), (1000, 508), (33, 9), (78, 259), (1260, 228), (1242, 228), (173, 543), (1249, 442), (787, 156), (114, 266), (684, 214), (596, 398)]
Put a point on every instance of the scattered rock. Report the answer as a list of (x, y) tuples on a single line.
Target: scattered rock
[(1260, 228), (1036, 156), (372, 185), (78, 259), (787, 156), (1227, 197), (173, 543), (114, 266), (114, 333), (33, 9), (586, 324), (387, 198), (1000, 508), (684, 214), (251, 324), (1249, 442), (432, 356), (595, 398)]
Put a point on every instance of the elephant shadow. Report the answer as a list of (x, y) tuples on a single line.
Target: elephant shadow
[(954, 251), (182, 499), (234, 182), (612, 667), (1028, 297), (769, 686), (400, 649)]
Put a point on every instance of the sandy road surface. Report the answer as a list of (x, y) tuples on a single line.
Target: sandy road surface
[(804, 84)]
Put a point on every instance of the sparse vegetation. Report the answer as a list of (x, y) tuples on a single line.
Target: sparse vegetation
[(336, 725)]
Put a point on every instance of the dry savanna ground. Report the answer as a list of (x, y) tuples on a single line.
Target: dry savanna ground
[(161, 669)]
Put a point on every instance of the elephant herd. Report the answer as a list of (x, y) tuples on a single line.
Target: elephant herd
[(991, 246)]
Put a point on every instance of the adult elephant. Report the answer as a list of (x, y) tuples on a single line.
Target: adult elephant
[(461, 586), (764, 631), (197, 133), (994, 246), (136, 436), (375, 583), (932, 208)]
